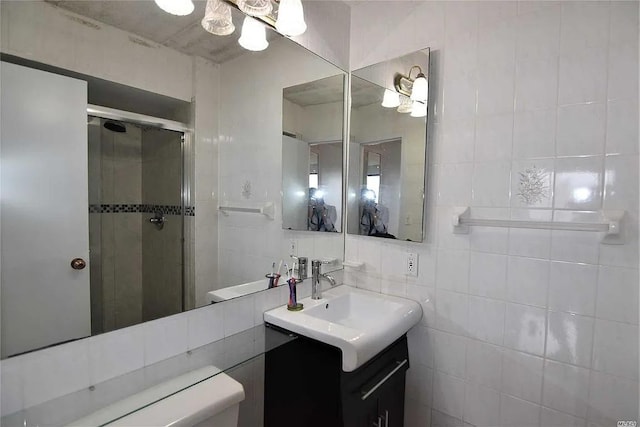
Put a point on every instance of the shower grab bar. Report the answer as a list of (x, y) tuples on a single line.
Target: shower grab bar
[(612, 226)]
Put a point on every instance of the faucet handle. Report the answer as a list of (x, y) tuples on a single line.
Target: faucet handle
[(323, 261)]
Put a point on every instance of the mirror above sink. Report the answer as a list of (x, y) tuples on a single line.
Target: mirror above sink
[(312, 146), (175, 194), (387, 148)]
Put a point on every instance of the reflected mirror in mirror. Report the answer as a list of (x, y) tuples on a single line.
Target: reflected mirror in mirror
[(121, 165), (387, 148), (312, 115)]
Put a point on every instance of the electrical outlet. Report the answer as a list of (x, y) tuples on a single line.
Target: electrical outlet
[(411, 265), (292, 247)]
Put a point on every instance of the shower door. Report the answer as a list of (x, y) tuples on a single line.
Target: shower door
[(136, 223)]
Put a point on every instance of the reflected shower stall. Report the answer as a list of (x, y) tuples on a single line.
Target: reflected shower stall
[(136, 217)]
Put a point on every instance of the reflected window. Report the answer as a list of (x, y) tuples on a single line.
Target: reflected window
[(373, 184), (313, 180), (313, 170)]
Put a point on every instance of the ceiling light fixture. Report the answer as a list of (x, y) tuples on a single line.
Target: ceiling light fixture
[(255, 7), (291, 18), (254, 36), (217, 18), (176, 7), (391, 99)]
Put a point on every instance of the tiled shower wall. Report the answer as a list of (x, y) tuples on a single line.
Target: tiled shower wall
[(521, 327)]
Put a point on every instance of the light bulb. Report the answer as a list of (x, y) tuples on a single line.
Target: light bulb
[(391, 99), (291, 18), (255, 7), (176, 7), (418, 109), (405, 105), (254, 36), (420, 89), (217, 18)]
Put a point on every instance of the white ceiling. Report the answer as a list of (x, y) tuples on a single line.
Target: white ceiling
[(321, 91), (364, 92), (329, 90), (144, 18), (185, 34)]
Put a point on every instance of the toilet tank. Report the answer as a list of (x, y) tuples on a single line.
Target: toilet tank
[(212, 401)]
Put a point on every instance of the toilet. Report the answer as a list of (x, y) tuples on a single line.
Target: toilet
[(205, 397)]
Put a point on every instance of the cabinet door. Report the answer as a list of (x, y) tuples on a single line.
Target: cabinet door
[(370, 415), (391, 402)]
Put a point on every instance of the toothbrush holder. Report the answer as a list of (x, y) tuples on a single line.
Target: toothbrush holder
[(273, 279)]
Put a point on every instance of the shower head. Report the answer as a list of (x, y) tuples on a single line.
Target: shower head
[(115, 126)]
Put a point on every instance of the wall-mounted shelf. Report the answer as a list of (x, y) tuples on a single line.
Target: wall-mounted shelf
[(612, 225), (268, 209)]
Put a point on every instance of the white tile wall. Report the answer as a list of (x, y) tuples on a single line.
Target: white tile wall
[(547, 322)]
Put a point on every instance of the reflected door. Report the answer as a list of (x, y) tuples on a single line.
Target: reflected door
[(44, 218), (295, 181)]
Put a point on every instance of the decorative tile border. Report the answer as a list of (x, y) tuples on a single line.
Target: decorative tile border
[(141, 208)]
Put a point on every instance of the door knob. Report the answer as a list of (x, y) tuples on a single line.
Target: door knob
[(78, 263)]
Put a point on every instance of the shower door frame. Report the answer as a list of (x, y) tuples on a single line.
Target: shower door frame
[(185, 172)]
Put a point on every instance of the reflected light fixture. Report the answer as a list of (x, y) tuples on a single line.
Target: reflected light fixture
[(405, 105), (416, 89), (420, 89), (176, 7), (254, 35), (291, 18), (217, 18), (391, 99), (255, 7), (418, 109)]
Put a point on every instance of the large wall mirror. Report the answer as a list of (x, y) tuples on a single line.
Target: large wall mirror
[(142, 165), (312, 147), (387, 148)]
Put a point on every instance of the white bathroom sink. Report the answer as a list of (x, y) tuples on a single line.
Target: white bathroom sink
[(358, 322)]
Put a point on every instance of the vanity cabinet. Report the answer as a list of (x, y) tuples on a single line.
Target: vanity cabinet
[(305, 385)]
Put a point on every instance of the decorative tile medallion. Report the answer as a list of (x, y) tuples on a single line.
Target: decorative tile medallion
[(533, 185), (246, 190)]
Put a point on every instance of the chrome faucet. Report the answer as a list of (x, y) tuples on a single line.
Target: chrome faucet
[(316, 276)]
